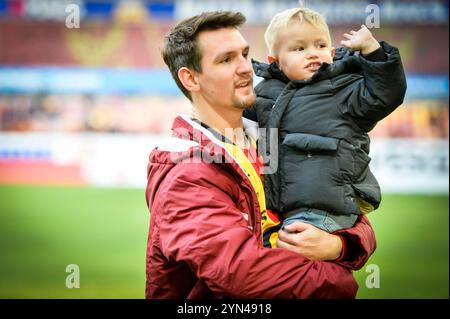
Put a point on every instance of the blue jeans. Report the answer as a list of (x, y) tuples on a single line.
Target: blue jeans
[(321, 219)]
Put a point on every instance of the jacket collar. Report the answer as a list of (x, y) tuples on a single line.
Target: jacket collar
[(190, 138), (344, 61), (185, 127)]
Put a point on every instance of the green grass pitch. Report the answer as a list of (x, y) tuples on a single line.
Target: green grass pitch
[(104, 232)]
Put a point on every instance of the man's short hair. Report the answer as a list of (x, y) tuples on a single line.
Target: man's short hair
[(280, 22), (180, 44)]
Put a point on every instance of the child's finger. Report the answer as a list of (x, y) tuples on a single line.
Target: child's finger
[(352, 32), (345, 43), (348, 36)]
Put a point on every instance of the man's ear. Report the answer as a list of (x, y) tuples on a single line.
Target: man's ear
[(332, 51), (188, 79), (272, 59)]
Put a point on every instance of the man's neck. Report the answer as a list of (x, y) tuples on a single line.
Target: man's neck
[(226, 122)]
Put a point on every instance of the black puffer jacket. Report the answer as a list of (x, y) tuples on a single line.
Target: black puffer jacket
[(323, 145)]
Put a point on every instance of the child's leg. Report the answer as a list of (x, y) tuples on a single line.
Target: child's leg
[(320, 219)]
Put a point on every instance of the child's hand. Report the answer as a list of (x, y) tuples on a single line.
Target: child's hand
[(362, 40)]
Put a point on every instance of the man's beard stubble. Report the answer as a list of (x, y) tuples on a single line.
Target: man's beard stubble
[(245, 103)]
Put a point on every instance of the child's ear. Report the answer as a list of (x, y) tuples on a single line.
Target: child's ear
[(332, 51), (272, 59)]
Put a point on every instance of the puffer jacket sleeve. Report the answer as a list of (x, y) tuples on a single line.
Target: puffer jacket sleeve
[(201, 226), (382, 90), (359, 244)]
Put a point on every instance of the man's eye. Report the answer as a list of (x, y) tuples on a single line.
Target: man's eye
[(226, 60)]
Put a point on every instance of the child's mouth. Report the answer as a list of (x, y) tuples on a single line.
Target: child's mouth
[(313, 66)]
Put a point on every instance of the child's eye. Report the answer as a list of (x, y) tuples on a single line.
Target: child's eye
[(298, 49), (322, 45)]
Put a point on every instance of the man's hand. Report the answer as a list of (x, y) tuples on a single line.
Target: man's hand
[(310, 241), (361, 40)]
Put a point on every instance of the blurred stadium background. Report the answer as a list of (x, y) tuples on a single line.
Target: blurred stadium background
[(81, 108)]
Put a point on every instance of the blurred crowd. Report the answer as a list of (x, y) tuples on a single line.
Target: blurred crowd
[(93, 113), (126, 35), (154, 114)]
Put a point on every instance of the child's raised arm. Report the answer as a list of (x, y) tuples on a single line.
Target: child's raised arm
[(384, 85)]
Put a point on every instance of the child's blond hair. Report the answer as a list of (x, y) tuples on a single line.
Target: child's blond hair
[(280, 22)]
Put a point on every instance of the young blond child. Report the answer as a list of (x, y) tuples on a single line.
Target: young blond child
[(323, 102)]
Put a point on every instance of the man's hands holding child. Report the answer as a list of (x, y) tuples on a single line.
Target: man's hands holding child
[(361, 40), (310, 241)]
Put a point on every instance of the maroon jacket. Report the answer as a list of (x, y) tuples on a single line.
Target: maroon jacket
[(205, 236)]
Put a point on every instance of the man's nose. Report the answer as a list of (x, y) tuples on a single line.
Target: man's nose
[(245, 66)]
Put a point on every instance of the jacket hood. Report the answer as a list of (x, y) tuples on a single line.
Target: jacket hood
[(189, 135)]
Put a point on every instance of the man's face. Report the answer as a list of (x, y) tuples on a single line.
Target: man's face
[(302, 49), (226, 80)]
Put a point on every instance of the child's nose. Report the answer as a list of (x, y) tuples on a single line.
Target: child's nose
[(312, 52)]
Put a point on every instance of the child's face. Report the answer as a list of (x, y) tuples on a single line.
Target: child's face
[(302, 48)]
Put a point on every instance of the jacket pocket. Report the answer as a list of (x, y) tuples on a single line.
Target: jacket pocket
[(367, 188), (360, 163), (310, 175), (311, 143), (364, 182)]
